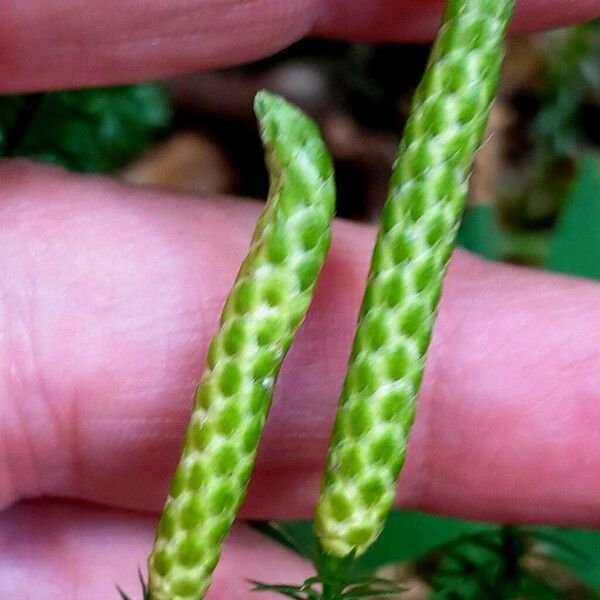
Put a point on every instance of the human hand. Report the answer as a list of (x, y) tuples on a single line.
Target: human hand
[(49, 44), (108, 299)]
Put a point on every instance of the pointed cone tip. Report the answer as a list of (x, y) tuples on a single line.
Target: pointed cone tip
[(263, 102)]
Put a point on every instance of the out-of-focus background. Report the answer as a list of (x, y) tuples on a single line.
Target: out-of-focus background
[(535, 200)]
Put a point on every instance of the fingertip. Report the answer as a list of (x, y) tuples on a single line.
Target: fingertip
[(418, 20)]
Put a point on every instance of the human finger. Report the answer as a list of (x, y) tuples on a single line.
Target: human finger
[(108, 300), (417, 20), (122, 41), (55, 550)]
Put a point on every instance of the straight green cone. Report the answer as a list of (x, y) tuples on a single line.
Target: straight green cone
[(418, 226)]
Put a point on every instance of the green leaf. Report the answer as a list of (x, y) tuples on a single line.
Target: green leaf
[(288, 591), (356, 589), (96, 130), (411, 535), (145, 592), (576, 246), (373, 588), (578, 549), (406, 536), (479, 232), (295, 535)]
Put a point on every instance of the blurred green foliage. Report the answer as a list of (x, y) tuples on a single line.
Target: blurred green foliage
[(575, 248), (479, 233), (560, 131), (95, 130), (572, 74), (464, 560)]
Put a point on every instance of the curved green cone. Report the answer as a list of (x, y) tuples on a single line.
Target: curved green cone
[(269, 300)]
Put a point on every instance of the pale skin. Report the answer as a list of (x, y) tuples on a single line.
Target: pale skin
[(109, 295)]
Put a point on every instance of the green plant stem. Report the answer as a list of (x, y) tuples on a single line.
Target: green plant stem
[(333, 574), (332, 592), (419, 222)]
